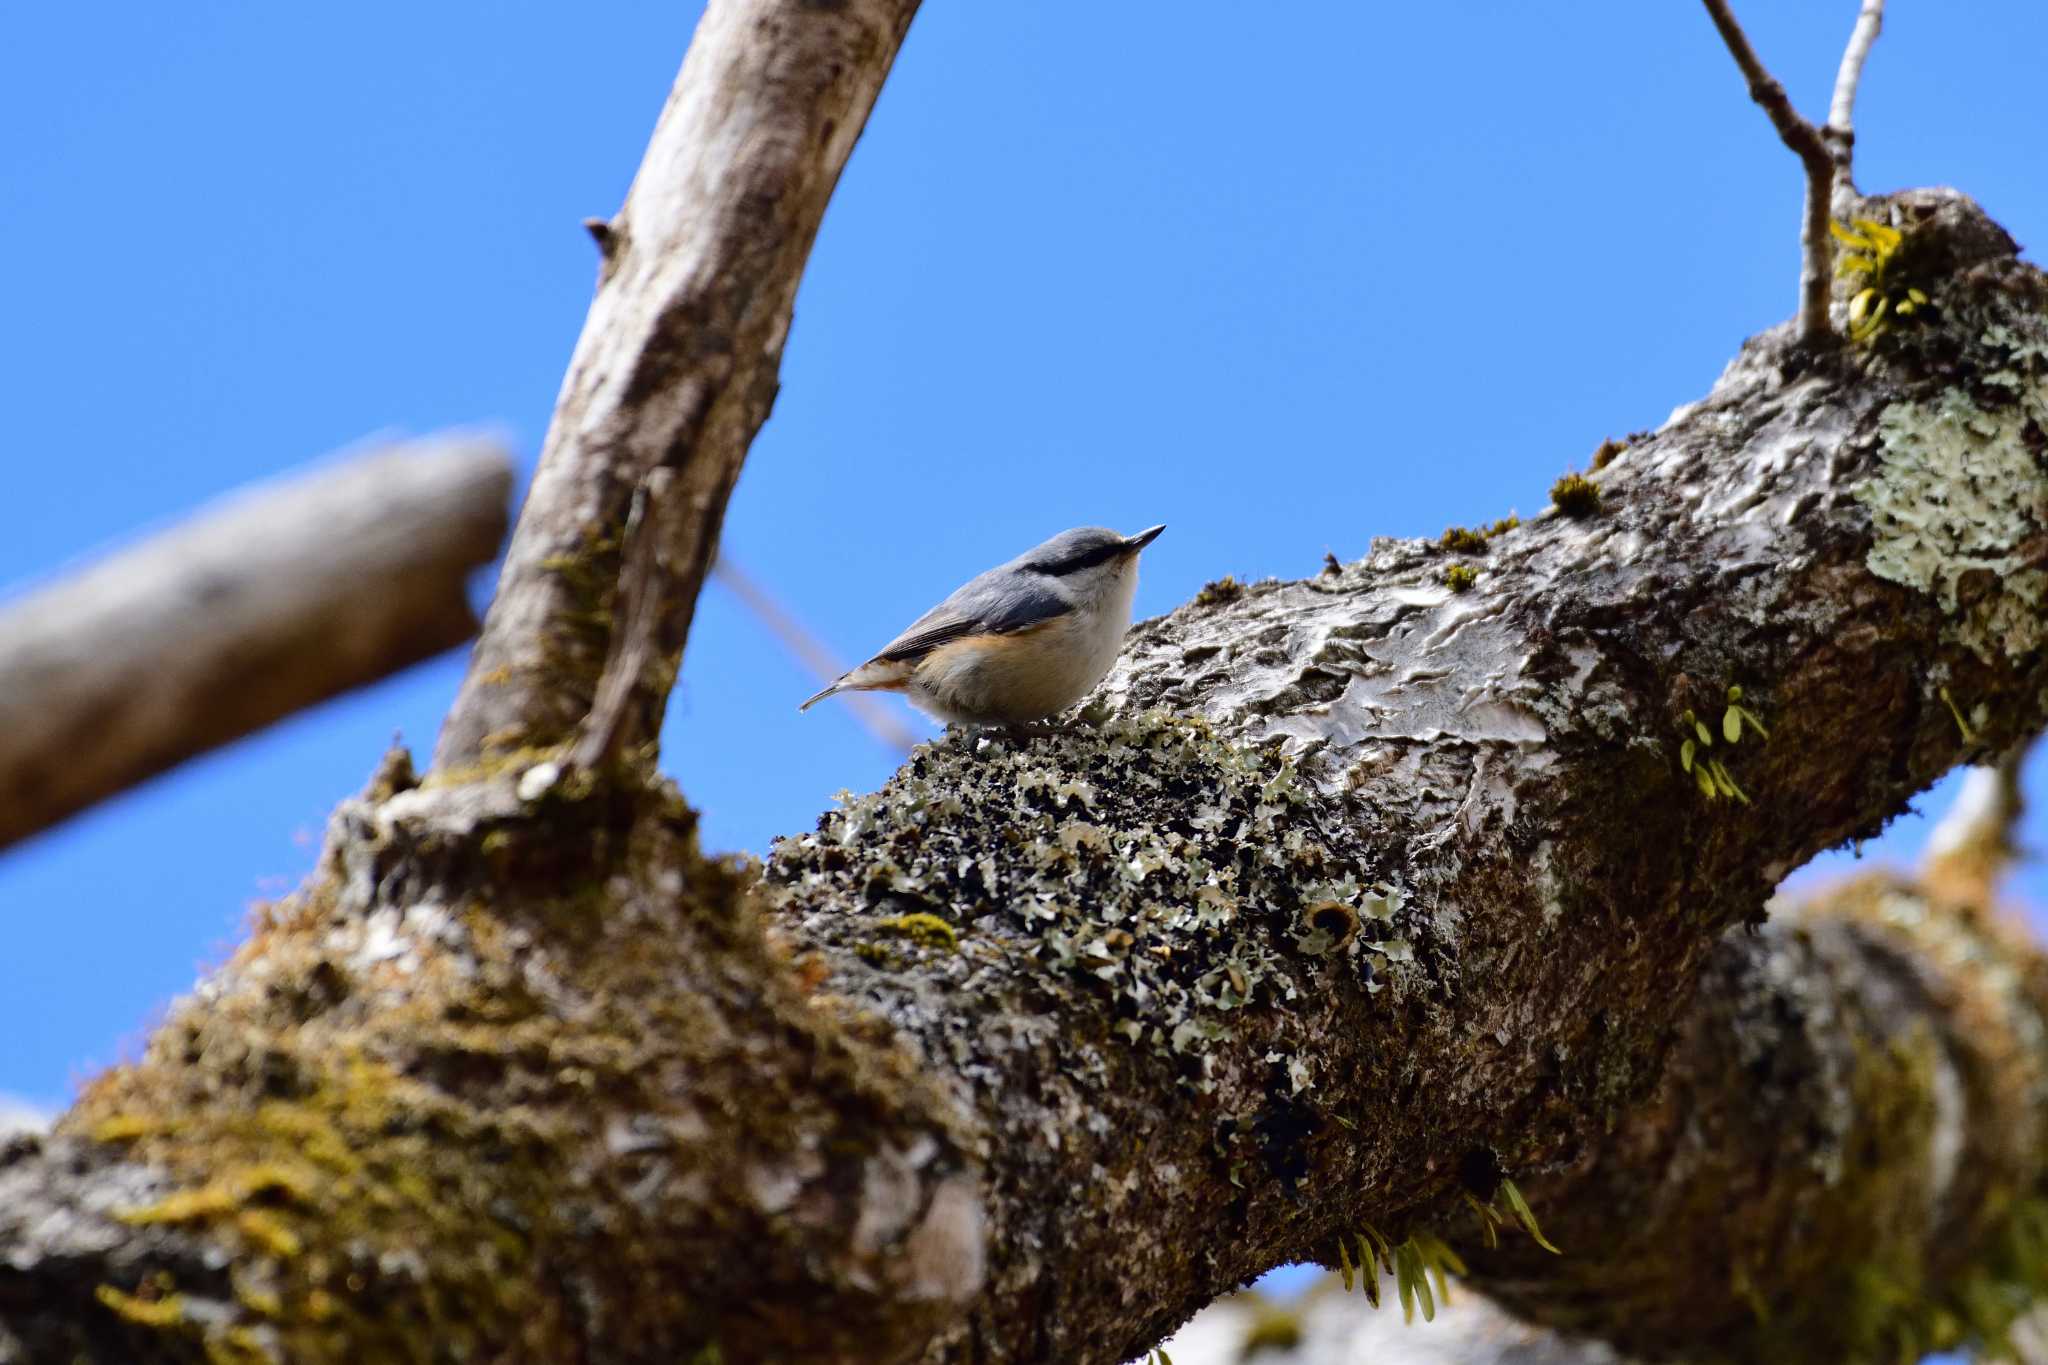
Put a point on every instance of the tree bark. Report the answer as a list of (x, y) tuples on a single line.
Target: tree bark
[(1356, 895), (276, 600), (676, 370)]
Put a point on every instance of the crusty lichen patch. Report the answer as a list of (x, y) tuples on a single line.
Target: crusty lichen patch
[(1182, 922), (1959, 502)]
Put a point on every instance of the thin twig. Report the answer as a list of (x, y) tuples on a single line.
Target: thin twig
[(1840, 132), (816, 657), (1816, 247)]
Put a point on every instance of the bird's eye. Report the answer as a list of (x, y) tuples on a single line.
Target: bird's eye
[(1077, 560)]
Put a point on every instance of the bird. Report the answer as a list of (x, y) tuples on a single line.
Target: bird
[(1019, 643)]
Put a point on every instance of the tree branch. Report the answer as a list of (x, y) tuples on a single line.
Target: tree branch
[(677, 366), (1840, 132), (1360, 894), (1816, 246), (269, 603), (1971, 850)]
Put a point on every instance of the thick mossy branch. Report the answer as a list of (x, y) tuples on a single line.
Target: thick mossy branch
[(1849, 1135), (1352, 899), (476, 1096)]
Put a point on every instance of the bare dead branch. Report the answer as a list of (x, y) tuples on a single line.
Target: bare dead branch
[(1840, 132), (872, 713), (1816, 247), (678, 361), (266, 604)]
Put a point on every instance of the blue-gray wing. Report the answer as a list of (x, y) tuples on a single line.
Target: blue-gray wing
[(999, 602)]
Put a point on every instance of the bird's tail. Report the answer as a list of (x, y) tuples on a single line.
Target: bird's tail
[(876, 675)]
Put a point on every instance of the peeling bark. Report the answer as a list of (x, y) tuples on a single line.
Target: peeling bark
[(1358, 894)]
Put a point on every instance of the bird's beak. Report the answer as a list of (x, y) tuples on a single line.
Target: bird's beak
[(1142, 539)]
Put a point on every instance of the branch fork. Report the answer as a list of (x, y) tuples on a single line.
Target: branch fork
[(1825, 152)]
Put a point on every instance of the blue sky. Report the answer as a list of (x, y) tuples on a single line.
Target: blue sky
[(1284, 285)]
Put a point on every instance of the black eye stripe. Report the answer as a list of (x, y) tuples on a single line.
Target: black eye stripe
[(1086, 559)]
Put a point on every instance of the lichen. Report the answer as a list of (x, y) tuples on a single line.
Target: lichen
[(1184, 922), (1959, 503)]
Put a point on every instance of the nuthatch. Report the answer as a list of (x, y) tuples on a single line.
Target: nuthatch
[(1019, 643)]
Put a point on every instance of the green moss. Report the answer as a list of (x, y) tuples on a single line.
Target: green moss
[(1575, 495), (1224, 589), (1460, 577), (161, 1313), (1274, 1329), (497, 762), (1607, 451), (925, 930), (1473, 540), (355, 1156)]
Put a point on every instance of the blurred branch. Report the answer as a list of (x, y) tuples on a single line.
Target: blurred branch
[(273, 600), (816, 657), (1970, 850), (1816, 268)]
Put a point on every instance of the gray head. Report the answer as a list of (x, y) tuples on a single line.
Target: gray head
[(1086, 563), (1084, 553)]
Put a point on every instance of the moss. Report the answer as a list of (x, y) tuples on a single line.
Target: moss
[(1575, 495), (1473, 540), (125, 1128), (1460, 577), (1607, 451), (183, 1207), (923, 929), (161, 1313), (1274, 1329), (1224, 589), (357, 1156), (269, 1232), (497, 762)]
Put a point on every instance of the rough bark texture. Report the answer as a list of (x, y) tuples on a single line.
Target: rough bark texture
[(275, 600), (1880, 1039), (676, 369), (1361, 893)]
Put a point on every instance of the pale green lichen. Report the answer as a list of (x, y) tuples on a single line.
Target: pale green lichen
[(1956, 499), (1185, 922)]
